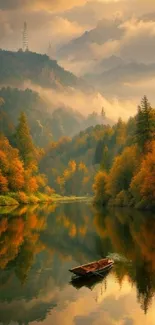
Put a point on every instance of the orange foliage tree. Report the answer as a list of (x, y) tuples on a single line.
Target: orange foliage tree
[(143, 184), (74, 179), (100, 187), (11, 168)]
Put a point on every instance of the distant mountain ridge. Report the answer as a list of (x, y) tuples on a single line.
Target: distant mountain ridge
[(106, 64), (111, 29), (115, 61), (17, 67), (119, 80), (123, 72), (78, 48)]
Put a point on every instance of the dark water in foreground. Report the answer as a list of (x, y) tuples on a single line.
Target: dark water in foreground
[(39, 244)]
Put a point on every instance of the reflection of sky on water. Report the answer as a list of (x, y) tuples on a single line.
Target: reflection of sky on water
[(116, 306)]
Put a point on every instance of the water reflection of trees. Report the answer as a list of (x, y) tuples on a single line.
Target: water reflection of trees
[(38, 245), (131, 234), (20, 247), (19, 240), (25, 235)]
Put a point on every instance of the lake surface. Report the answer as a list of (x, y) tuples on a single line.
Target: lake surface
[(38, 245)]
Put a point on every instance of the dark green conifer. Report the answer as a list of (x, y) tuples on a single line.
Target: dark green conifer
[(24, 141), (145, 124)]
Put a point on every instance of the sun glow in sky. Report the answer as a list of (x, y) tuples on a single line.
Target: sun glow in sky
[(61, 22)]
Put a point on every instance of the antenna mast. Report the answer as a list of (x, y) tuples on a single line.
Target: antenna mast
[(50, 50), (25, 37)]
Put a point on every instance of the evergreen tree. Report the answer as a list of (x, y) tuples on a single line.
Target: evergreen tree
[(106, 159), (145, 124), (120, 133), (103, 113), (98, 152), (24, 141)]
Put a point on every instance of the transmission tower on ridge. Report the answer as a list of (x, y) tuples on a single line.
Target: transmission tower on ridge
[(25, 37), (50, 50)]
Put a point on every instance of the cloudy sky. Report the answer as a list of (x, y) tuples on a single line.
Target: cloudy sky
[(59, 21)]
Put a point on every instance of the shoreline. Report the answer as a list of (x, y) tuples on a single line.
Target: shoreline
[(6, 200), (134, 207)]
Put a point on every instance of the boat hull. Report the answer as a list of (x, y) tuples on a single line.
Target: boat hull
[(92, 269)]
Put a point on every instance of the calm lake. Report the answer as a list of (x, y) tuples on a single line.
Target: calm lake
[(38, 245)]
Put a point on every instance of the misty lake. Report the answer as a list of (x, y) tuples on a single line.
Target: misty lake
[(38, 245)]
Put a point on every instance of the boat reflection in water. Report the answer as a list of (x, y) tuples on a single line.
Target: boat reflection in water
[(91, 281)]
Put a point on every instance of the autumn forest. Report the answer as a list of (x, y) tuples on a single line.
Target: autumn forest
[(130, 179), (115, 164)]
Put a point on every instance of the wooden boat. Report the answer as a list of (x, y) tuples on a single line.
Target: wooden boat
[(93, 268), (89, 281)]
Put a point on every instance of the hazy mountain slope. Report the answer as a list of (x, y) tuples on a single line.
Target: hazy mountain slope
[(116, 57), (17, 67), (39, 114), (111, 62), (120, 80), (123, 72), (104, 31), (106, 64), (46, 123)]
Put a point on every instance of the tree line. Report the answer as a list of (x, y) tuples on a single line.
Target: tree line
[(19, 171), (127, 170)]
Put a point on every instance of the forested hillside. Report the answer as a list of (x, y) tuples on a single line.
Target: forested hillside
[(39, 136), (45, 121), (68, 163), (127, 173), (71, 163), (19, 173), (17, 67), (37, 110), (124, 154)]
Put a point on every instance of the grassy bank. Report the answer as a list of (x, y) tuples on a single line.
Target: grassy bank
[(59, 198), (13, 199), (7, 201)]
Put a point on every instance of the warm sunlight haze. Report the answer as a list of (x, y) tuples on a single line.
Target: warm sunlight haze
[(77, 162)]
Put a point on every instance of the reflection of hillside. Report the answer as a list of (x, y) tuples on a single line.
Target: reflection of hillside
[(71, 233), (20, 283), (131, 235), (18, 236), (20, 241), (38, 253)]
